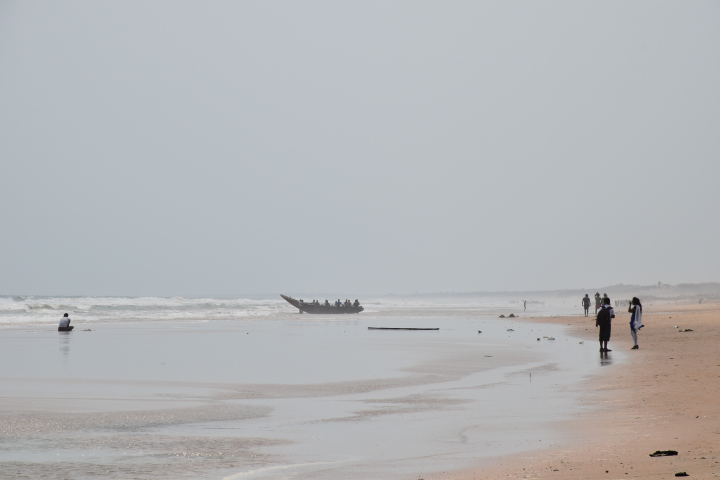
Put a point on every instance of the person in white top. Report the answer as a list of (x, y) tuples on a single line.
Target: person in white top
[(635, 320), (65, 324)]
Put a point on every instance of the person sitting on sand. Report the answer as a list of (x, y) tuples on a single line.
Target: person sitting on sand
[(586, 304), (635, 320), (604, 321), (65, 324)]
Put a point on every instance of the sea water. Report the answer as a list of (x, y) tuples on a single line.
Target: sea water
[(36, 310), (248, 388)]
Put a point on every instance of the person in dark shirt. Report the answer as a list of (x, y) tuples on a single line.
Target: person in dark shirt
[(586, 304), (604, 320)]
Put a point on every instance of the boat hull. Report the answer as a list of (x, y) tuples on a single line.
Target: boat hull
[(321, 309)]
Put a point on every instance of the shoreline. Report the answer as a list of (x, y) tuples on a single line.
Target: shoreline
[(665, 398)]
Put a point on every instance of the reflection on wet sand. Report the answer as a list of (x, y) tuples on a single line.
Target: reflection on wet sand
[(64, 339), (605, 359), (326, 400)]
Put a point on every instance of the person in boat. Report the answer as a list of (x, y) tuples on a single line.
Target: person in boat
[(327, 304), (65, 324), (338, 303), (356, 303)]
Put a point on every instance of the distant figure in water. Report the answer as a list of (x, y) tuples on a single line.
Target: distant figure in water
[(586, 304), (356, 303), (635, 320), (524, 305), (65, 324)]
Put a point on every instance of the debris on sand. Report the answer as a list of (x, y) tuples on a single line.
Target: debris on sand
[(511, 315), (664, 453), (510, 330), (682, 474), (479, 331), (686, 330), (501, 316)]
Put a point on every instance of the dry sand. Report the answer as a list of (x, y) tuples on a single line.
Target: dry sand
[(666, 398)]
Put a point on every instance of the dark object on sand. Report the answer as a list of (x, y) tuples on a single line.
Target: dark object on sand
[(501, 316), (65, 329), (682, 474), (512, 315), (395, 328), (686, 330), (316, 308), (664, 453)]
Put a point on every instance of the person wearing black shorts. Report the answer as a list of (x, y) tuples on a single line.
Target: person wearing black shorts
[(586, 304), (604, 320)]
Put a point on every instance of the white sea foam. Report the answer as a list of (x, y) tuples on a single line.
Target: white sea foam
[(31, 310), (40, 310)]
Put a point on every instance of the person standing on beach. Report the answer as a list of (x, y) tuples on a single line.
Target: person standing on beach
[(598, 302), (635, 320), (604, 321), (524, 305), (586, 304)]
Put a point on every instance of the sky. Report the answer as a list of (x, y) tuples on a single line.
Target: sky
[(194, 148)]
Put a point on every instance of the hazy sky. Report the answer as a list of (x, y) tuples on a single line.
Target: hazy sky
[(191, 148)]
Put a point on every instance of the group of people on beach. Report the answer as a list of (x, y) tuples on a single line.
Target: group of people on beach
[(604, 313), (338, 303)]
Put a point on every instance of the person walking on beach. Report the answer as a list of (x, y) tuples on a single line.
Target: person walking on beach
[(586, 304), (635, 320), (65, 324), (604, 321), (598, 302)]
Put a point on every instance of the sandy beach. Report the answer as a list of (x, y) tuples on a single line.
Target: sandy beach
[(666, 397)]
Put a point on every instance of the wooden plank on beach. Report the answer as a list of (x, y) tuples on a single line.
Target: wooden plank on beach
[(391, 328)]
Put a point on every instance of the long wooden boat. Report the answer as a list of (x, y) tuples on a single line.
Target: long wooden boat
[(321, 309)]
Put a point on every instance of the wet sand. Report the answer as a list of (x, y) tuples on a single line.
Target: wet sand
[(665, 397), (298, 397)]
